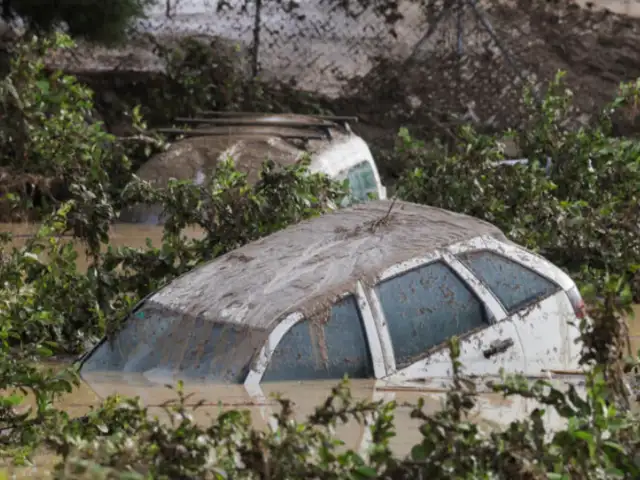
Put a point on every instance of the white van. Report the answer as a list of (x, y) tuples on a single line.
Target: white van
[(250, 139)]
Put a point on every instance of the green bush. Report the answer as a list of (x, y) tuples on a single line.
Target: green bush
[(584, 221), (105, 22), (51, 144), (575, 216)]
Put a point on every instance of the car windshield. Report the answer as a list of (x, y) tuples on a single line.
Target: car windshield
[(155, 338)]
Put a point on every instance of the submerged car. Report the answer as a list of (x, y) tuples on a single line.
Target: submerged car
[(373, 291), (251, 138)]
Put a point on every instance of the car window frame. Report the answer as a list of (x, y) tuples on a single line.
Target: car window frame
[(259, 366), (522, 305), (493, 308), (79, 362), (519, 255), (514, 252)]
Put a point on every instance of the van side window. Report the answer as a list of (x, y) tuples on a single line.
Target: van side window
[(362, 182), (515, 285), (426, 306), (313, 350)]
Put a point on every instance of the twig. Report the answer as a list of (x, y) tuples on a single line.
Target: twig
[(383, 220)]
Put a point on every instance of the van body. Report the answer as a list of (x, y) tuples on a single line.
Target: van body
[(249, 140)]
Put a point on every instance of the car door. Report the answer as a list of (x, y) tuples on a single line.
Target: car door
[(419, 305), (533, 302), (304, 358)]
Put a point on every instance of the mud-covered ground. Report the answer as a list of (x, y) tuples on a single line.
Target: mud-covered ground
[(312, 45), (430, 85), (445, 84)]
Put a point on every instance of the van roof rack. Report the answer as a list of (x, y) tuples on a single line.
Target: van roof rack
[(225, 133), (253, 122), (311, 127), (331, 118)]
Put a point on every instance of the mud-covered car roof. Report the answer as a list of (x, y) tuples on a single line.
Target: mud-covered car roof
[(305, 267)]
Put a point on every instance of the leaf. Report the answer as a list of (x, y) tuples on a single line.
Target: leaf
[(44, 351), (366, 472), (615, 446), (613, 472), (12, 400), (417, 453), (582, 435), (43, 86)]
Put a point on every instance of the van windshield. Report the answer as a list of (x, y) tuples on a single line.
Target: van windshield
[(156, 338), (362, 183)]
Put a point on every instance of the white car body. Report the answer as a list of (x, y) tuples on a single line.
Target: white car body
[(545, 339), (281, 289)]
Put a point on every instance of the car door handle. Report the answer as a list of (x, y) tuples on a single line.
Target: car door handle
[(498, 346)]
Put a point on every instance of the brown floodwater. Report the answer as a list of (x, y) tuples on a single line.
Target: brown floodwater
[(121, 235), (492, 409)]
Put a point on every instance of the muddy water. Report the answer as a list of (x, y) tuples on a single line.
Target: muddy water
[(491, 410), (121, 235)]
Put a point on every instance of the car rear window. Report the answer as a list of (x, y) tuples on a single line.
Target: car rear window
[(157, 338), (323, 350), (426, 306), (515, 285)]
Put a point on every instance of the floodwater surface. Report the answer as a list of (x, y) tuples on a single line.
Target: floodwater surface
[(121, 235), (491, 410)]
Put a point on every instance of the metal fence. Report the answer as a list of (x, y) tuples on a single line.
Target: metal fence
[(464, 56), (312, 43)]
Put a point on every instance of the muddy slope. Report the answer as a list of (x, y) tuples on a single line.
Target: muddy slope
[(444, 84)]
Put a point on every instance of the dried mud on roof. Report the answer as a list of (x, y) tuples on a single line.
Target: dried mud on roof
[(185, 159), (306, 266), (247, 146)]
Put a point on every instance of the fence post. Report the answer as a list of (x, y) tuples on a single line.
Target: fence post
[(256, 39)]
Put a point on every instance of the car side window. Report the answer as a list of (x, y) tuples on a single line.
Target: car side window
[(316, 350), (426, 306), (515, 285)]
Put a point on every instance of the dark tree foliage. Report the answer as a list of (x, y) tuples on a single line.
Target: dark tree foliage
[(96, 20)]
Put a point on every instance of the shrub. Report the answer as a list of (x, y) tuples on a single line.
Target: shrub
[(48, 131), (583, 220), (574, 216)]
